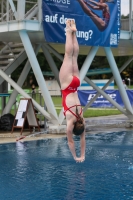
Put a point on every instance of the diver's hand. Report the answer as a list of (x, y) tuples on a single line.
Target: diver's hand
[(80, 159)]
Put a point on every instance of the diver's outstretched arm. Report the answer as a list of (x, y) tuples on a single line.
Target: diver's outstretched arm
[(82, 145), (99, 6), (70, 140), (71, 143), (92, 6), (94, 2)]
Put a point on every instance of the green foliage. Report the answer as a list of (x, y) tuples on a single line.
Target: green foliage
[(124, 17), (90, 112), (100, 112)]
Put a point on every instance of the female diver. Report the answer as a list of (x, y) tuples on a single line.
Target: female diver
[(69, 80)]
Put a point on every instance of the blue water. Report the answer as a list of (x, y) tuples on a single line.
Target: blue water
[(45, 169)]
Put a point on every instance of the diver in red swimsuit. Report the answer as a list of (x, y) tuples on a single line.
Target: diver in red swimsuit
[(69, 80), (103, 22), (72, 88)]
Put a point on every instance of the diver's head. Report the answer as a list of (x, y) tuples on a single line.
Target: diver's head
[(79, 126)]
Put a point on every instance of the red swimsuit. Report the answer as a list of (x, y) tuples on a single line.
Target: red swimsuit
[(75, 83), (106, 17)]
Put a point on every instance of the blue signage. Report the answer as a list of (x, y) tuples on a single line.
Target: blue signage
[(98, 24), (86, 95)]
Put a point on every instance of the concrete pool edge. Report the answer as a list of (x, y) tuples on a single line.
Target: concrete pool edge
[(93, 125)]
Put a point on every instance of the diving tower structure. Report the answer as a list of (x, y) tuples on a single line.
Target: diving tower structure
[(22, 36)]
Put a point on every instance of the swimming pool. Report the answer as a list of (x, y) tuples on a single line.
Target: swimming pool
[(44, 169)]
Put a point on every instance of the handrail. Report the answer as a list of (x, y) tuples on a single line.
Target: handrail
[(33, 9), (7, 10), (27, 1)]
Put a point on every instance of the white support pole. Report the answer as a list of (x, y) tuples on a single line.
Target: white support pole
[(20, 83), (37, 71), (21, 9), (106, 85), (61, 115), (118, 80), (87, 63), (51, 63), (24, 94)]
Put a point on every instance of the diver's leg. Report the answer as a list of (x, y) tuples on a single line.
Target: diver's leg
[(75, 52), (66, 71)]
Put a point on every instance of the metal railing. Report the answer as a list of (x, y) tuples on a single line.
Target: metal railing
[(125, 24), (31, 12), (4, 97), (7, 13)]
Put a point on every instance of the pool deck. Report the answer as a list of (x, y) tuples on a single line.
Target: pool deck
[(93, 125)]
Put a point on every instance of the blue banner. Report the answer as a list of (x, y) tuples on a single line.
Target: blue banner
[(86, 95), (98, 24)]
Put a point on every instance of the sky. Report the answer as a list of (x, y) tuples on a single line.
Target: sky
[(124, 7)]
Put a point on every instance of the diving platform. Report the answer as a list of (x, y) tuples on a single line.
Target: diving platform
[(9, 32), (22, 36)]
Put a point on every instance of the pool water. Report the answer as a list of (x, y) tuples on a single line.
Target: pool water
[(45, 169)]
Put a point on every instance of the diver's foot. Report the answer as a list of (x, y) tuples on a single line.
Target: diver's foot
[(73, 25), (68, 26)]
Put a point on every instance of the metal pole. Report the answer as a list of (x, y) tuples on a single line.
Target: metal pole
[(21, 9), (51, 63), (37, 71), (13, 8), (87, 62), (54, 52), (118, 80)]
